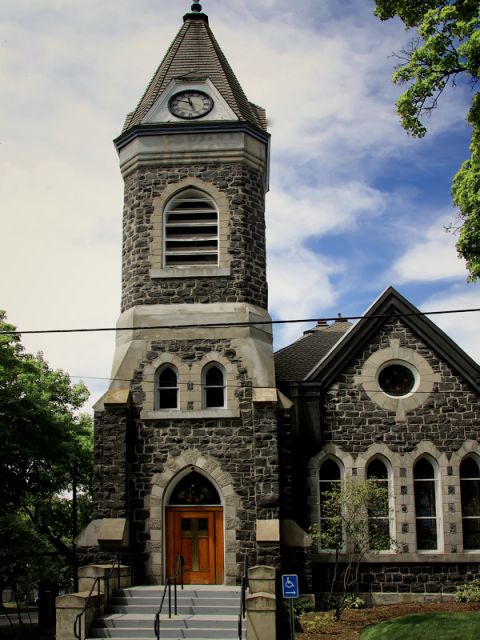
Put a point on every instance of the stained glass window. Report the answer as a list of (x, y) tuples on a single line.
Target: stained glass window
[(396, 380), (378, 510), (330, 527), (470, 490), (425, 506), (194, 489)]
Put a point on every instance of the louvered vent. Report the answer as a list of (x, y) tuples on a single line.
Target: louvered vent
[(191, 230)]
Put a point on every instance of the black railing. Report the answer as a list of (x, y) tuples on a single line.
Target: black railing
[(96, 588), (243, 597), (168, 588)]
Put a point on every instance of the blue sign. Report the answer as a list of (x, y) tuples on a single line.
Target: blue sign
[(290, 586)]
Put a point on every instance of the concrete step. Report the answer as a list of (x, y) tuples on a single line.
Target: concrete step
[(204, 612)]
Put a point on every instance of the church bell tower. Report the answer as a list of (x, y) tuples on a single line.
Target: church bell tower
[(185, 437)]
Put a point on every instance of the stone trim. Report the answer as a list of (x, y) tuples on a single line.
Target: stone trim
[(425, 379), (162, 485), (157, 269)]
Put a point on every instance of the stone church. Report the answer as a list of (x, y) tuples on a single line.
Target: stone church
[(210, 445)]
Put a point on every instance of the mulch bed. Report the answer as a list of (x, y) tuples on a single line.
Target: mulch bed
[(321, 626)]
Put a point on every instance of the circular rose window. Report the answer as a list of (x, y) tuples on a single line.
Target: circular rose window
[(396, 380)]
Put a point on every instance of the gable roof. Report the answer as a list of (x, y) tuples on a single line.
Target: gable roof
[(294, 362), (389, 304), (196, 54)]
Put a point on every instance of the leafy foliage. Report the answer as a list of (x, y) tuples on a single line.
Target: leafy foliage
[(46, 450), (351, 513), (446, 52), (468, 592)]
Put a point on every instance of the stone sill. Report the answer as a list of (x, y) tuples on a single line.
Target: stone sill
[(188, 415), (395, 558), (192, 272)]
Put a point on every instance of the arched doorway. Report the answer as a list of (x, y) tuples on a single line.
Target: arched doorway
[(194, 519)]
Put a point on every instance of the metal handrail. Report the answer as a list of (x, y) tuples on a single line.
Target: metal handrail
[(77, 625), (243, 596), (168, 587)]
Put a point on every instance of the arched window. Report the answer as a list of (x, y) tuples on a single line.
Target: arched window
[(378, 509), (425, 505), (213, 387), (194, 489), (167, 388), (470, 490), (329, 524), (191, 230)]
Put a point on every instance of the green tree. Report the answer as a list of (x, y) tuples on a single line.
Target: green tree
[(355, 517), (46, 450), (446, 52)]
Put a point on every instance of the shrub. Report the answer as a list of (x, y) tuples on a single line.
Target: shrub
[(469, 592)]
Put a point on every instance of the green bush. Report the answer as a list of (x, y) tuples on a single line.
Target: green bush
[(469, 592)]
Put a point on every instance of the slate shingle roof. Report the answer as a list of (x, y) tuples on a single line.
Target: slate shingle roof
[(195, 52), (294, 363)]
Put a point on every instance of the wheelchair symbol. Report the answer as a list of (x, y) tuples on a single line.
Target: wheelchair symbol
[(289, 584)]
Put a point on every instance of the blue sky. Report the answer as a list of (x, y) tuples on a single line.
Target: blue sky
[(355, 204)]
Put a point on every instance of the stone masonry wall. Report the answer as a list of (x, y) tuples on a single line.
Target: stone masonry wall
[(244, 188), (110, 463), (245, 447), (403, 578), (448, 417)]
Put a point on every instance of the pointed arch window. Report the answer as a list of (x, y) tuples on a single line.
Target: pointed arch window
[(194, 489), (167, 388), (213, 386), (329, 522), (191, 230), (427, 521), (470, 491), (378, 510)]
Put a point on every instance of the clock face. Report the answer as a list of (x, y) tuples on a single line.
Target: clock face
[(190, 104)]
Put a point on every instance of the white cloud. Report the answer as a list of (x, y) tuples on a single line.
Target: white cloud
[(298, 215), (432, 255), (461, 327), (298, 283)]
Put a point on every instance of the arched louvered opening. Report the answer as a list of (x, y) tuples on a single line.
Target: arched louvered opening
[(191, 230)]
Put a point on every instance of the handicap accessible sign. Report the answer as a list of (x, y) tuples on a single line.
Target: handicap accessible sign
[(290, 586)]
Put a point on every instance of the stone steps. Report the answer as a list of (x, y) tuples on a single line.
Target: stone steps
[(204, 612)]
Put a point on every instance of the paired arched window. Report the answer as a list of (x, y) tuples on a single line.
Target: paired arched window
[(426, 518), (378, 509), (167, 388), (470, 491), (329, 522), (191, 230), (213, 386)]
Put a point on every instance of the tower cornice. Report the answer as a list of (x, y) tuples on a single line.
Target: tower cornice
[(146, 130)]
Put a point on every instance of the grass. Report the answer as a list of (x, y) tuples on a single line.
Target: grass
[(427, 626)]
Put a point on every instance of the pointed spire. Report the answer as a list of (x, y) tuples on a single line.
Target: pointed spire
[(195, 53)]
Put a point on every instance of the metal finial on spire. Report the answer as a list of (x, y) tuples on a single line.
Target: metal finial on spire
[(196, 6)]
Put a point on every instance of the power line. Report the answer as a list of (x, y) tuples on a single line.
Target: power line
[(238, 386), (216, 325)]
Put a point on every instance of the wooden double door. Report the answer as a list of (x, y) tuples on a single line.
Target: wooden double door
[(196, 533)]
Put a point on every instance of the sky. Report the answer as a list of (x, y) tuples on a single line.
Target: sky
[(355, 204)]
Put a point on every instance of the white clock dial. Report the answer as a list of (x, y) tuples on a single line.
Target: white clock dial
[(190, 104)]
